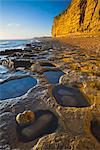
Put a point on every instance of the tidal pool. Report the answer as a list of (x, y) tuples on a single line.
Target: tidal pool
[(53, 76), (3, 69), (69, 96), (16, 87), (46, 123)]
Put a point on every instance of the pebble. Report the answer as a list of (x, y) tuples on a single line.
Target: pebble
[(27, 117)]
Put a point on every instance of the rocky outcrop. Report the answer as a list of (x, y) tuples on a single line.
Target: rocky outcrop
[(82, 16)]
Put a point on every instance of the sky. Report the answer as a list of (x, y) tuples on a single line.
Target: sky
[(23, 19)]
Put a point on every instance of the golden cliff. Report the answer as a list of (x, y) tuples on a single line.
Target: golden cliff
[(82, 16)]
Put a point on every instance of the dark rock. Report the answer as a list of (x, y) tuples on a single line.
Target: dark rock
[(28, 45), (27, 55), (95, 129), (10, 52), (22, 63), (46, 64)]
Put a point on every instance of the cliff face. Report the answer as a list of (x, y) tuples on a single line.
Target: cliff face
[(82, 16)]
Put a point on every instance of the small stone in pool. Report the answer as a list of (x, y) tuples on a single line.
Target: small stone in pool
[(25, 118)]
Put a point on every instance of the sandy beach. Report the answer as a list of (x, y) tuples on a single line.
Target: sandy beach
[(89, 44)]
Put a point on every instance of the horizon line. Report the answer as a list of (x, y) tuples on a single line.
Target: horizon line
[(28, 38)]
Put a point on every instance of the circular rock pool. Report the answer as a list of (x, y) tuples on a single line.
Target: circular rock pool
[(16, 87), (69, 96), (46, 123), (53, 76)]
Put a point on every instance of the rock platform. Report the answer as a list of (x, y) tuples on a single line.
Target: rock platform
[(76, 128)]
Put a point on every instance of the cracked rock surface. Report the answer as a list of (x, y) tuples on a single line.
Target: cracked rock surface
[(74, 124)]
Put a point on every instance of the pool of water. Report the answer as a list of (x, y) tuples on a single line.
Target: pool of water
[(69, 96), (46, 123), (3, 57), (53, 76), (16, 87), (3, 69)]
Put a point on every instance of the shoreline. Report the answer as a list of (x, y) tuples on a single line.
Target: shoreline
[(83, 42), (15, 44)]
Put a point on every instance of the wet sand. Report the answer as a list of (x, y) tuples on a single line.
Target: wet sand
[(86, 43)]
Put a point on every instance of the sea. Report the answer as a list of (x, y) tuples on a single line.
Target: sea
[(14, 44)]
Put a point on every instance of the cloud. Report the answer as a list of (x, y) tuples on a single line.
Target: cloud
[(17, 24), (13, 24), (9, 24)]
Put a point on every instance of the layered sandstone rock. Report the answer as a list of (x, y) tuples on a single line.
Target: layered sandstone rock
[(82, 16)]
